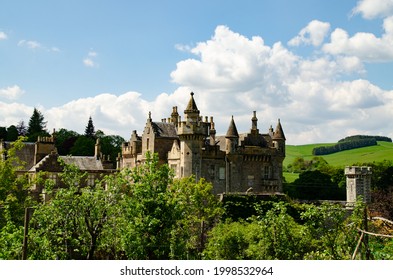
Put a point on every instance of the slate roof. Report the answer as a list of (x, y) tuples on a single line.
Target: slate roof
[(232, 130), (26, 154), (165, 130), (84, 163)]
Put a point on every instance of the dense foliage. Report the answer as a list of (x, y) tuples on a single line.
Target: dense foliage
[(144, 213), (344, 145)]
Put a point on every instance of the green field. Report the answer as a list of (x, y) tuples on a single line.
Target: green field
[(380, 152)]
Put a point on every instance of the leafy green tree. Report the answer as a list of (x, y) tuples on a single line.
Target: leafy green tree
[(150, 212), (65, 140), (83, 146), (13, 200), (37, 126), (12, 133), (77, 223), (3, 133), (199, 211), (110, 145)]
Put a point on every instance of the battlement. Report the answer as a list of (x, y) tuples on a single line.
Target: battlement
[(358, 170), (45, 139)]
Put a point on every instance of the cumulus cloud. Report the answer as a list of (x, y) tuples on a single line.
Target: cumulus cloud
[(370, 9), (90, 60), (314, 33), (319, 98), (234, 75), (366, 46), (12, 92), (3, 35)]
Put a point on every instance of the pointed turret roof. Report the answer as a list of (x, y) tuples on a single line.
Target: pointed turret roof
[(232, 130), (279, 132), (191, 107)]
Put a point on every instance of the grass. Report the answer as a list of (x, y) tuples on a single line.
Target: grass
[(380, 152)]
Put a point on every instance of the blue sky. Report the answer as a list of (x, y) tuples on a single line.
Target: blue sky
[(322, 67)]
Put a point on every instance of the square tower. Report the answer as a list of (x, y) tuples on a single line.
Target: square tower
[(358, 183)]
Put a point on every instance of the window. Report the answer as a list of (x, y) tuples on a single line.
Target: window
[(266, 172), (53, 177), (221, 172), (91, 178)]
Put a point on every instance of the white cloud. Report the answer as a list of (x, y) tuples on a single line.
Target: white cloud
[(318, 99), (90, 60), (12, 92), (29, 44), (234, 75), (3, 35), (365, 46), (370, 9), (314, 33)]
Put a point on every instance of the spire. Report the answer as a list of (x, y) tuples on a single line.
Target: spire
[(232, 130), (279, 132), (191, 107)]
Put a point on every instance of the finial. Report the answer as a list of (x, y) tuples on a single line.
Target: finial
[(192, 94)]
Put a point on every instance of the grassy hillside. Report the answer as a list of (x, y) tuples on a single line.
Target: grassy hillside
[(380, 152)]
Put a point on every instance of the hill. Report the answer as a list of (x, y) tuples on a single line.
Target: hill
[(380, 152)]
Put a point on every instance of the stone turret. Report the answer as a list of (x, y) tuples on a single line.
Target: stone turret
[(279, 139), (192, 133), (232, 137)]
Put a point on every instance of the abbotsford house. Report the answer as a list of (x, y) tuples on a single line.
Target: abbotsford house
[(233, 163), (241, 163)]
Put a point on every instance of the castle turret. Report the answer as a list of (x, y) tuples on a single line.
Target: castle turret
[(192, 133), (279, 139), (232, 137), (191, 112)]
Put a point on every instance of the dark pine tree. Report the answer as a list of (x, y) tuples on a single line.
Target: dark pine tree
[(37, 126), (89, 131)]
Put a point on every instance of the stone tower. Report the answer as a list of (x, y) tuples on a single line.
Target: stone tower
[(192, 132), (358, 183)]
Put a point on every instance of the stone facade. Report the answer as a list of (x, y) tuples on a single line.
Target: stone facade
[(358, 183), (42, 157), (250, 162)]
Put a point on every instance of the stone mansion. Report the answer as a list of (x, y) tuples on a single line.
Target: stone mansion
[(241, 163)]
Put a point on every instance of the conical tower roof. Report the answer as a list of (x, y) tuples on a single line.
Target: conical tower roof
[(279, 132), (232, 130), (191, 107)]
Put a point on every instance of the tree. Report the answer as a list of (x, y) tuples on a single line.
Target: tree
[(78, 222), (89, 130), (13, 200), (199, 211), (150, 212), (3, 133), (83, 146), (37, 126), (21, 128), (12, 133), (65, 140)]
